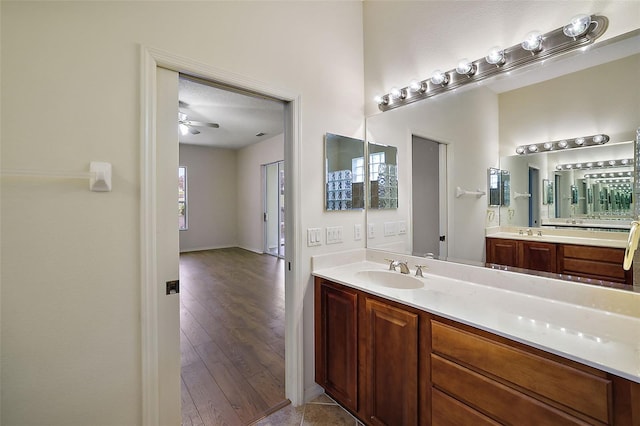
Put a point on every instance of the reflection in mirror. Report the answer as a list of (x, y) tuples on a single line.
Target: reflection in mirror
[(494, 186), (548, 103), (547, 191), (586, 195), (383, 176), (344, 173)]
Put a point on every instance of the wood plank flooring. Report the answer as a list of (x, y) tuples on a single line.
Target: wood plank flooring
[(232, 336)]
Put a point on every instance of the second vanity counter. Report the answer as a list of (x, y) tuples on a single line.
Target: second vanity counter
[(596, 326)]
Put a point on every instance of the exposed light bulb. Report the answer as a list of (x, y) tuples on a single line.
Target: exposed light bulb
[(495, 56), (439, 77), (395, 93), (547, 145), (380, 100), (589, 165), (579, 141), (417, 86), (562, 144), (578, 165), (532, 42), (612, 162), (600, 163), (625, 161), (599, 139), (533, 148), (520, 150), (577, 26), (466, 67)]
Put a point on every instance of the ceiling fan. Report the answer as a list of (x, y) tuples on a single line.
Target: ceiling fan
[(189, 126)]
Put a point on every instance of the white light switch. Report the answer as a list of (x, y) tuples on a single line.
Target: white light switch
[(402, 227), (334, 234), (389, 229), (313, 237), (371, 232)]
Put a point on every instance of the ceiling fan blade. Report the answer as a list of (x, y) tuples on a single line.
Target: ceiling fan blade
[(201, 124), (194, 131)]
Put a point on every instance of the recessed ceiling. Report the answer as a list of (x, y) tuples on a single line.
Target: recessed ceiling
[(240, 116)]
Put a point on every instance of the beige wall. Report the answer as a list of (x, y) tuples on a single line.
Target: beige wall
[(250, 199), (70, 94), (212, 196)]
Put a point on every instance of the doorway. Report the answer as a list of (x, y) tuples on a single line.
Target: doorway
[(273, 216), (429, 160), (534, 197), (160, 350)]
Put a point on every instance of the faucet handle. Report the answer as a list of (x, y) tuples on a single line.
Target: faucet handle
[(392, 264), (419, 270)]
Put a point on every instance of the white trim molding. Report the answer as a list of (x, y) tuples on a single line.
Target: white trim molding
[(151, 59)]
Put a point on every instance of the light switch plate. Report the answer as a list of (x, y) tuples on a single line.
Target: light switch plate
[(357, 232), (334, 234), (389, 229), (371, 230), (402, 227), (313, 237)]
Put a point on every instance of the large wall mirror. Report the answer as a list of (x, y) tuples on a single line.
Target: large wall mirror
[(582, 93), (344, 173)]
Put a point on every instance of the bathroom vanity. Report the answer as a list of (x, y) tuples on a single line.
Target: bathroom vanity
[(468, 345), (588, 254)]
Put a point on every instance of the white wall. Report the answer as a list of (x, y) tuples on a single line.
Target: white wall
[(70, 94), (211, 198), (250, 197), (409, 40), (468, 124)]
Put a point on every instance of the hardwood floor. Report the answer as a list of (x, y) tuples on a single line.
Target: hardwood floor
[(232, 336)]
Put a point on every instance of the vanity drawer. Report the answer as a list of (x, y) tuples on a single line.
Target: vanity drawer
[(604, 263), (532, 374), (448, 411), (506, 405)]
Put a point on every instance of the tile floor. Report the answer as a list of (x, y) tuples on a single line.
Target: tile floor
[(321, 411)]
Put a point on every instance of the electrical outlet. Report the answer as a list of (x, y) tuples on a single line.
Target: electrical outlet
[(357, 232), (402, 227)]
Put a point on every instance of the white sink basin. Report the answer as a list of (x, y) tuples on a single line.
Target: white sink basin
[(391, 279)]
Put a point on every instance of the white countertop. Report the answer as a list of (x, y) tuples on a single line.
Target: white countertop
[(564, 236), (593, 325)]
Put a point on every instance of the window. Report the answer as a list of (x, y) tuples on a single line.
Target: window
[(182, 198), (375, 159)]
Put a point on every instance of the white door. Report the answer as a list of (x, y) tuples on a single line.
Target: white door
[(167, 247)]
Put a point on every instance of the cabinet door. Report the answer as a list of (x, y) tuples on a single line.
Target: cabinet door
[(502, 252), (391, 364), (336, 335), (538, 256)]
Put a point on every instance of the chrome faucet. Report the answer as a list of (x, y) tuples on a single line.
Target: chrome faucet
[(529, 232), (404, 268)]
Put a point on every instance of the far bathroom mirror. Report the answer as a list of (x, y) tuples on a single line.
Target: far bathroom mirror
[(576, 190), (494, 185), (383, 176), (344, 173), (559, 100)]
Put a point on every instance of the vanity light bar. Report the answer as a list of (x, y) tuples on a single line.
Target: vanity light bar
[(602, 164), (562, 144), (608, 176), (536, 48)]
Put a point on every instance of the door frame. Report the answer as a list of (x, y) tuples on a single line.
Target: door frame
[(151, 59), (265, 183)]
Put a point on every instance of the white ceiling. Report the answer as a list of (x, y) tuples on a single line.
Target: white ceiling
[(240, 116)]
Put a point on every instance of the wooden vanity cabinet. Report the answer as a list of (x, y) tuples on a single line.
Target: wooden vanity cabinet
[(503, 252), (601, 263), (391, 364), (336, 341), (389, 342)]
